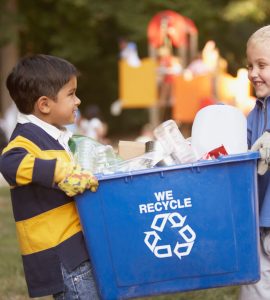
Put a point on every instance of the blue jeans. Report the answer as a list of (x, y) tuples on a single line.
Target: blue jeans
[(79, 284)]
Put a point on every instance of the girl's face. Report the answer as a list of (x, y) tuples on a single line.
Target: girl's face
[(64, 108), (258, 57)]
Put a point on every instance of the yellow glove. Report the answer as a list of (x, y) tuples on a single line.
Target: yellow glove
[(76, 179), (262, 144)]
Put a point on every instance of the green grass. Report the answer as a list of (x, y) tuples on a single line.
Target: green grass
[(12, 283)]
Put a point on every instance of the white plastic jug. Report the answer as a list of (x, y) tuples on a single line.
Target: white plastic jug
[(217, 125)]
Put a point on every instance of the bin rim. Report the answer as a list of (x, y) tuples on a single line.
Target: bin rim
[(250, 155)]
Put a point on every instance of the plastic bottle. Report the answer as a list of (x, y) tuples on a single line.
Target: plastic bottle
[(105, 160), (173, 142), (84, 154), (145, 161)]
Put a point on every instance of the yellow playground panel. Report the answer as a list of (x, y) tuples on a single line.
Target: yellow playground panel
[(137, 85)]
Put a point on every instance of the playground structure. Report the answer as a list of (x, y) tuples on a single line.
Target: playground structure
[(178, 78)]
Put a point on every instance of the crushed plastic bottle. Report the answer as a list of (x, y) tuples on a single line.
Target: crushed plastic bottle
[(92, 155), (145, 161), (174, 143), (105, 160), (84, 154)]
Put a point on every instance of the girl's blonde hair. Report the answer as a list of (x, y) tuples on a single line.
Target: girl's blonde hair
[(260, 35)]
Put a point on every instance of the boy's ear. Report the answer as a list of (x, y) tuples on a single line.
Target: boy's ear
[(43, 105)]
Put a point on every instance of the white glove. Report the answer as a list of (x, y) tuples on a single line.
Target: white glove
[(263, 145)]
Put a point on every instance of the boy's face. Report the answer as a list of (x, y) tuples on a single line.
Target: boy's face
[(258, 57), (64, 108)]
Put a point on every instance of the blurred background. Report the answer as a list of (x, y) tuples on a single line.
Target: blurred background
[(93, 34)]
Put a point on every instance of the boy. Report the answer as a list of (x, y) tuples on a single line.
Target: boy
[(258, 57), (43, 178)]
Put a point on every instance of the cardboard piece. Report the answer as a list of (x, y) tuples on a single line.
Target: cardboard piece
[(130, 149)]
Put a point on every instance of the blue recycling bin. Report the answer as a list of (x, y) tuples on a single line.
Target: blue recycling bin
[(173, 229)]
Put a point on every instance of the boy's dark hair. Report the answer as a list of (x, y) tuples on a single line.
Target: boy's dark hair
[(36, 76)]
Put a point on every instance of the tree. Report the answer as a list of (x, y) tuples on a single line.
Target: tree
[(9, 49), (87, 32)]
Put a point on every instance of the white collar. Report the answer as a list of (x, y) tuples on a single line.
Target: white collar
[(53, 131)]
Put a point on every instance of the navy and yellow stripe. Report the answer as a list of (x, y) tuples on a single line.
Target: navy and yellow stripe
[(47, 223), (48, 229), (25, 162)]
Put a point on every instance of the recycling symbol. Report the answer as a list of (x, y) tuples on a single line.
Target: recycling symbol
[(177, 221)]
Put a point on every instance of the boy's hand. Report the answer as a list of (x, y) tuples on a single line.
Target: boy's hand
[(263, 145), (77, 181)]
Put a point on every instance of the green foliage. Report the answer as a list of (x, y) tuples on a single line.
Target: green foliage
[(87, 32), (12, 281), (11, 274), (9, 20)]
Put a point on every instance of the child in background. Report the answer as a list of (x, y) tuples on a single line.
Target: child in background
[(258, 57), (91, 124), (43, 179)]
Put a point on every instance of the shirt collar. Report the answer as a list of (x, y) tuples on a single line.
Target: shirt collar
[(53, 131), (262, 101)]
